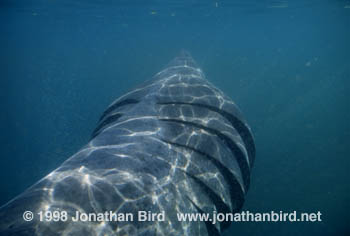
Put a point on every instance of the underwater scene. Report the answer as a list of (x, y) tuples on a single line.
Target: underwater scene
[(126, 117)]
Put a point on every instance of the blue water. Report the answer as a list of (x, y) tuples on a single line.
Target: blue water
[(285, 63)]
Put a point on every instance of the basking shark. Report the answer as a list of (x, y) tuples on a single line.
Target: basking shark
[(174, 145)]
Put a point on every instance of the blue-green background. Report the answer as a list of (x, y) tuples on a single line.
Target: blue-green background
[(285, 63)]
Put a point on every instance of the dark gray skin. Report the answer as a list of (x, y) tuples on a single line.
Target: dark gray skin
[(175, 145)]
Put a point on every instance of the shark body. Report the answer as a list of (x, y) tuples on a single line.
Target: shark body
[(172, 146)]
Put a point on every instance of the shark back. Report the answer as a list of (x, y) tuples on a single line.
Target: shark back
[(174, 145)]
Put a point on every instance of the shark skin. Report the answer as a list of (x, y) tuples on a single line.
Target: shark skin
[(174, 145)]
